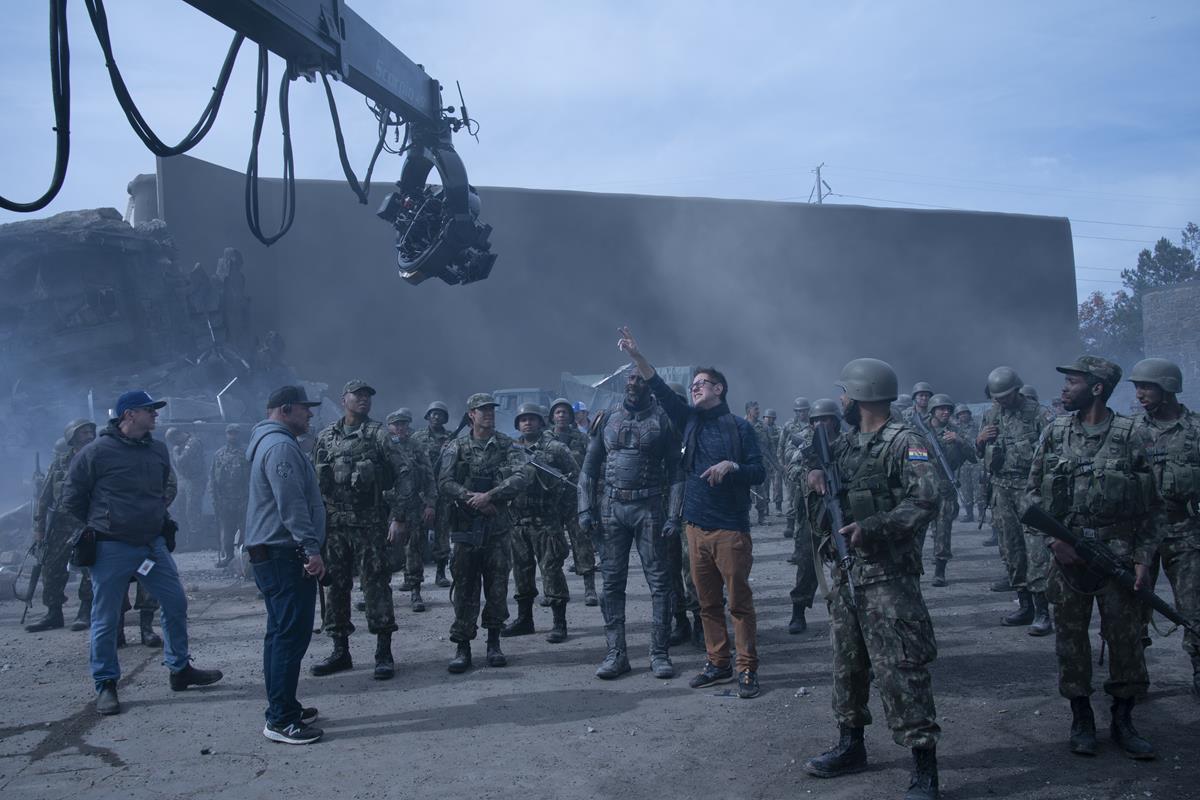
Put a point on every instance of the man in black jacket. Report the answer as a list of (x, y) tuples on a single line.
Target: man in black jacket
[(120, 486)]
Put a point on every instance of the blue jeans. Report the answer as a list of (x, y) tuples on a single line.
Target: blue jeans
[(290, 595), (116, 563)]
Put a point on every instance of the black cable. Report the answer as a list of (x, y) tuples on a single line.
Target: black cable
[(142, 128), (289, 171), (60, 92), (360, 191)]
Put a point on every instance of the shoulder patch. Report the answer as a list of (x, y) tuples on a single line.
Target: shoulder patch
[(917, 452), (284, 469)]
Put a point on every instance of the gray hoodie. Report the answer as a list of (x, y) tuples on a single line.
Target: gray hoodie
[(285, 505)]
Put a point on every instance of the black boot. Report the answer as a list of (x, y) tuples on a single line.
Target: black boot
[(462, 659), (660, 655), (797, 624), (616, 662), (789, 529), (762, 517), (83, 617), (337, 661), (992, 540), (849, 755), (1001, 585), (589, 590), (52, 620), (106, 699), (418, 605), (523, 624), (191, 676), (1083, 727), (361, 605), (385, 666), (146, 628), (495, 658), (1024, 614), (441, 579), (558, 633), (923, 785), (682, 630), (939, 572), (1041, 626), (697, 631), (1124, 734), (970, 515)]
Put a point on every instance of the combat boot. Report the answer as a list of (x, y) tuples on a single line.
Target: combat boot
[(797, 624), (523, 624), (558, 633), (360, 605), (1024, 613), (660, 657), (406, 584), (83, 617), (923, 784), (418, 605), (762, 517), (589, 590), (848, 756), (682, 630), (106, 699), (1001, 585), (992, 540), (385, 667), (697, 631), (789, 530), (616, 662), (970, 517), (495, 658), (441, 580), (462, 659), (1083, 727), (939, 572), (1124, 734), (146, 628), (337, 661), (1041, 626), (52, 620)]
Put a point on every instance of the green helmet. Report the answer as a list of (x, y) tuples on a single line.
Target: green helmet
[(75, 426), (962, 408), (527, 409), (825, 407), (870, 380), (939, 400), (561, 401), (437, 405), (1162, 373), (904, 401), (801, 404), (1029, 391), (921, 386), (1003, 381), (769, 414)]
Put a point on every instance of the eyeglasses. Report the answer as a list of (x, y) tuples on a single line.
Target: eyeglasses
[(700, 383)]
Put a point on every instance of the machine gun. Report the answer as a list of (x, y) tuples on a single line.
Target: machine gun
[(546, 468), (833, 488), (1102, 564), (941, 456)]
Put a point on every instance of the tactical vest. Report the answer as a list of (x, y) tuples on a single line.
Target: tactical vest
[(1100, 490), (543, 499), (478, 470), (433, 442), (405, 492), (869, 486), (352, 468), (1009, 457), (1175, 459), (636, 445)]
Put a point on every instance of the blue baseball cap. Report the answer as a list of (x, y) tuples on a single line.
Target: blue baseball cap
[(139, 398), (580, 406)]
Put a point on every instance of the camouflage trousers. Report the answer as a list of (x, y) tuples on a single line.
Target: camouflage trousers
[(774, 482), (583, 549), (805, 589), (1037, 561), (793, 497), (888, 634), (189, 507), (441, 532), (762, 496), (361, 549), (1010, 533), (231, 518), (943, 526), (475, 569), (55, 554), (406, 554), (539, 544), (1121, 626), (1179, 557), (968, 481), (683, 591)]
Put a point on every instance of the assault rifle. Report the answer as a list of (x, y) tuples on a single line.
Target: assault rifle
[(35, 573), (546, 468), (941, 456), (833, 488), (1102, 563)]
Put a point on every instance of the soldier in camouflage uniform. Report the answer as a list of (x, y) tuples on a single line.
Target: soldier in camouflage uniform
[(539, 524), (921, 394), (583, 552), (433, 438), (825, 412), (229, 481), (958, 450), (762, 494), (1006, 441), (410, 501), (481, 475), (775, 466), (792, 491), (187, 456), (1031, 392), (354, 468), (968, 471), (54, 533), (1174, 433), (1092, 472), (683, 590), (882, 630)]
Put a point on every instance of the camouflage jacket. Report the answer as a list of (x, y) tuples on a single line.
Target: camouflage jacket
[(793, 452), (1007, 459), (543, 498), (907, 415), (471, 465), (413, 489), (1100, 481), (957, 453), (229, 477), (575, 440), (354, 469), (785, 437), (1175, 458), (889, 489), (189, 459), (50, 493), (770, 445)]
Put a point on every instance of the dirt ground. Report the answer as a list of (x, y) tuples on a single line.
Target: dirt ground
[(544, 727)]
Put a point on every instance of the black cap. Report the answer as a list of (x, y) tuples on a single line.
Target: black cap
[(290, 395)]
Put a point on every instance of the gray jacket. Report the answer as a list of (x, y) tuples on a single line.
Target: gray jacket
[(121, 487), (285, 506)]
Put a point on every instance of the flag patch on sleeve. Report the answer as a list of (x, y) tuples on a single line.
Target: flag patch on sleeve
[(917, 453)]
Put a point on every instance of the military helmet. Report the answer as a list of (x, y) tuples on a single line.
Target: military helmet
[(939, 400), (960, 408), (234, 428), (824, 407), (529, 408), (437, 405), (60, 446), (1003, 381), (172, 434), (1029, 391), (770, 414), (561, 401), (73, 428), (801, 404), (921, 386), (904, 401), (1162, 373), (869, 380), (399, 415)]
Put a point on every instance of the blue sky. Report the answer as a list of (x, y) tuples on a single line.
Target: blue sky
[(1085, 110)]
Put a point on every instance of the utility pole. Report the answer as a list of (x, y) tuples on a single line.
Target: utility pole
[(821, 189)]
